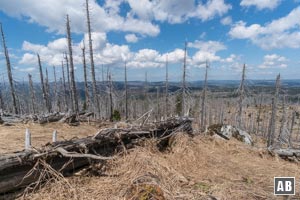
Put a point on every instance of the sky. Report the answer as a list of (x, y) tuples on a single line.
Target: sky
[(263, 34)]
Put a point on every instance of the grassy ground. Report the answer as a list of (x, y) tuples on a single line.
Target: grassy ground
[(193, 168)]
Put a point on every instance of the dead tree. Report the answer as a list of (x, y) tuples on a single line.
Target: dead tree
[(9, 73), (64, 85), (203, 105), (47, 87), (146, 102), (56, 99), (258, 119), (272, 125), (32, 94), (126, 93), (184, 81), (72, 76), (86, 89), (110, 97), (158, 104), (241, 98), (94, 83), (46, 101), (70, 98), (167, 90)]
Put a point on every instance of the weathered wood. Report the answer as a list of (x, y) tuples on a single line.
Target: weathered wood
[(107, 143)]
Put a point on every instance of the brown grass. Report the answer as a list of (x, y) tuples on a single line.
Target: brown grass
[(194, 168), (12, 137)]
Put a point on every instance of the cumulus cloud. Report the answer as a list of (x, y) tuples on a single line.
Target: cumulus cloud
[(226, 21), (52, 14), (274, 61), (280, 33), (261, 4), (131, 38)]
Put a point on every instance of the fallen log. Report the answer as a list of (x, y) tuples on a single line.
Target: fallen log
[(106, 144), (228, 131)]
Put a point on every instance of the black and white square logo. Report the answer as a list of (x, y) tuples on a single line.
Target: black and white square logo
[(284, 185)]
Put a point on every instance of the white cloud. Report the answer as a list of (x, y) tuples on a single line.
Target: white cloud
[(274, 61), (209, 46), (131, 38), (177, 11), (211, 9), (280, 33), (226, 21), (52, 15), (261, 4)]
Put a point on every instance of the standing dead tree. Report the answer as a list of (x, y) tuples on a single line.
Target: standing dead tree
[(94, 83), (126, 92), (203, 103), (184, 82), (47, 87), (69, 82), (72, 76), (167, 90), (56, 99), (241, 99), (9, 73), (111, 97), (86, 89), (33, 102), (272, 125), (64, 86), (45, 97)]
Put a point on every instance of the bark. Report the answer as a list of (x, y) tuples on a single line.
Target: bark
[(94, 83), (241, 98), (126, 94), (86, 89), (184, 82), (203, 105), (272, 125), (72, 76), (45, 99), (9, 73), (32, 94)]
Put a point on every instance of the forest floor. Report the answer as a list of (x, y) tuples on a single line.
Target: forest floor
[(202, 167)]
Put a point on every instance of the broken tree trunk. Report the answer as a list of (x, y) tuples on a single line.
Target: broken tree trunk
[(15, 168)]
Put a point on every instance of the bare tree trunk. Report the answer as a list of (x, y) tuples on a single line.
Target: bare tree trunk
[(47, 87), (167, 90), (94, 83), (203, 105), (272, 125), (43, 84), (158, 104), (33, 102), (126, 94), (241, 99), (110, 97), (72, 76), (64, 86), (146, 103), (9, 73), (70, 98), (259, 114), (86, 89), (56, 99), (183, 81)]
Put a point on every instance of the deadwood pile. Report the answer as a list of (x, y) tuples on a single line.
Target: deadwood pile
[(19, 169)]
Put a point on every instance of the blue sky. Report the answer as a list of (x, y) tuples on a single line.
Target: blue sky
[(264, 34)]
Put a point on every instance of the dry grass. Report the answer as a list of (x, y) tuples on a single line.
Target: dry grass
[(12, 137), (198, 168)]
